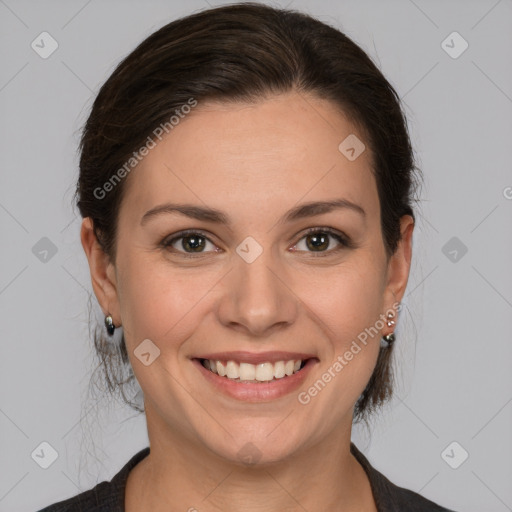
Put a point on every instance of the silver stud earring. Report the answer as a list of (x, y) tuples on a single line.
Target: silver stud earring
[(390, 321), (109, 324), (390, 338)]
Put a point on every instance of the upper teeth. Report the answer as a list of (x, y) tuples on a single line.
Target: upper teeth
[(250, 372)]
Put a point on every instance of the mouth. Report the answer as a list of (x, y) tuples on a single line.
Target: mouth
[(254, 373), (255, 377)]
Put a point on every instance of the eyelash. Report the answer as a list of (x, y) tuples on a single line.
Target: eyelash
[(345, 242)]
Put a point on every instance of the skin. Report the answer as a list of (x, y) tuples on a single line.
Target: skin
[(254, 162)]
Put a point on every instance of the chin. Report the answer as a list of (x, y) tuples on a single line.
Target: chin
[(255, 449)]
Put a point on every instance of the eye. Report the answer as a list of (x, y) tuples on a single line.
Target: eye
[(318, 240), (188, 242), (192, 243)]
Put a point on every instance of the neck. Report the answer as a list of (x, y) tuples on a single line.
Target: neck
[(179, 474)]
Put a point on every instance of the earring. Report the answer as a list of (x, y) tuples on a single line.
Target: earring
[(109, 324), (390, 338)]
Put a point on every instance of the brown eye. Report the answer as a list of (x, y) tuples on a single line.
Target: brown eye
[(188, 242), (195, 243), (319, 240)]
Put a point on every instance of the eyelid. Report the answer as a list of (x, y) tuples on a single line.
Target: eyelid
[(323, 229)]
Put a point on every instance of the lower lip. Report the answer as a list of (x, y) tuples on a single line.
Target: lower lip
[(257, 392)]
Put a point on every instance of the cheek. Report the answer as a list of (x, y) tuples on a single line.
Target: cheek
[(147, 307), (160, 302), (348, 299)]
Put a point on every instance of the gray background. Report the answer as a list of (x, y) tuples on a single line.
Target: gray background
[(454, 344)]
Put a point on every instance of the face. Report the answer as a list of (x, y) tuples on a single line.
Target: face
[(261, 279)]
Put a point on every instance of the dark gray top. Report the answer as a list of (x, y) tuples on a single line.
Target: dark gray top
[(109, 496)]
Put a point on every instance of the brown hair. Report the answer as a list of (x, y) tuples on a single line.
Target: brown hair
[(241, 52)]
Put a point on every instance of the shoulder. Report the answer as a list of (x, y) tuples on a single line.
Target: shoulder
[(104, 497), (390, 497), (100, 498)]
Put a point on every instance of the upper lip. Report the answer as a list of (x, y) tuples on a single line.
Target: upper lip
[(240, 356)]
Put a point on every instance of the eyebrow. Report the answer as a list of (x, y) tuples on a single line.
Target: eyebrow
[(213, 215)]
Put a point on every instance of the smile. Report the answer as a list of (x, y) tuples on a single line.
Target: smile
[(253, 373), (254, 377)]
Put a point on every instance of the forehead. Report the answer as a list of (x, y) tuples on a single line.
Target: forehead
[(275, 152)]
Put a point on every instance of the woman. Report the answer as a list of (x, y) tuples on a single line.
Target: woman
[(246, 180)]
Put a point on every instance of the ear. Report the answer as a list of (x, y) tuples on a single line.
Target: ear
[(103, 275), (399, 264)]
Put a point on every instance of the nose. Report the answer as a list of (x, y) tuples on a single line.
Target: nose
[(258, 297)]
